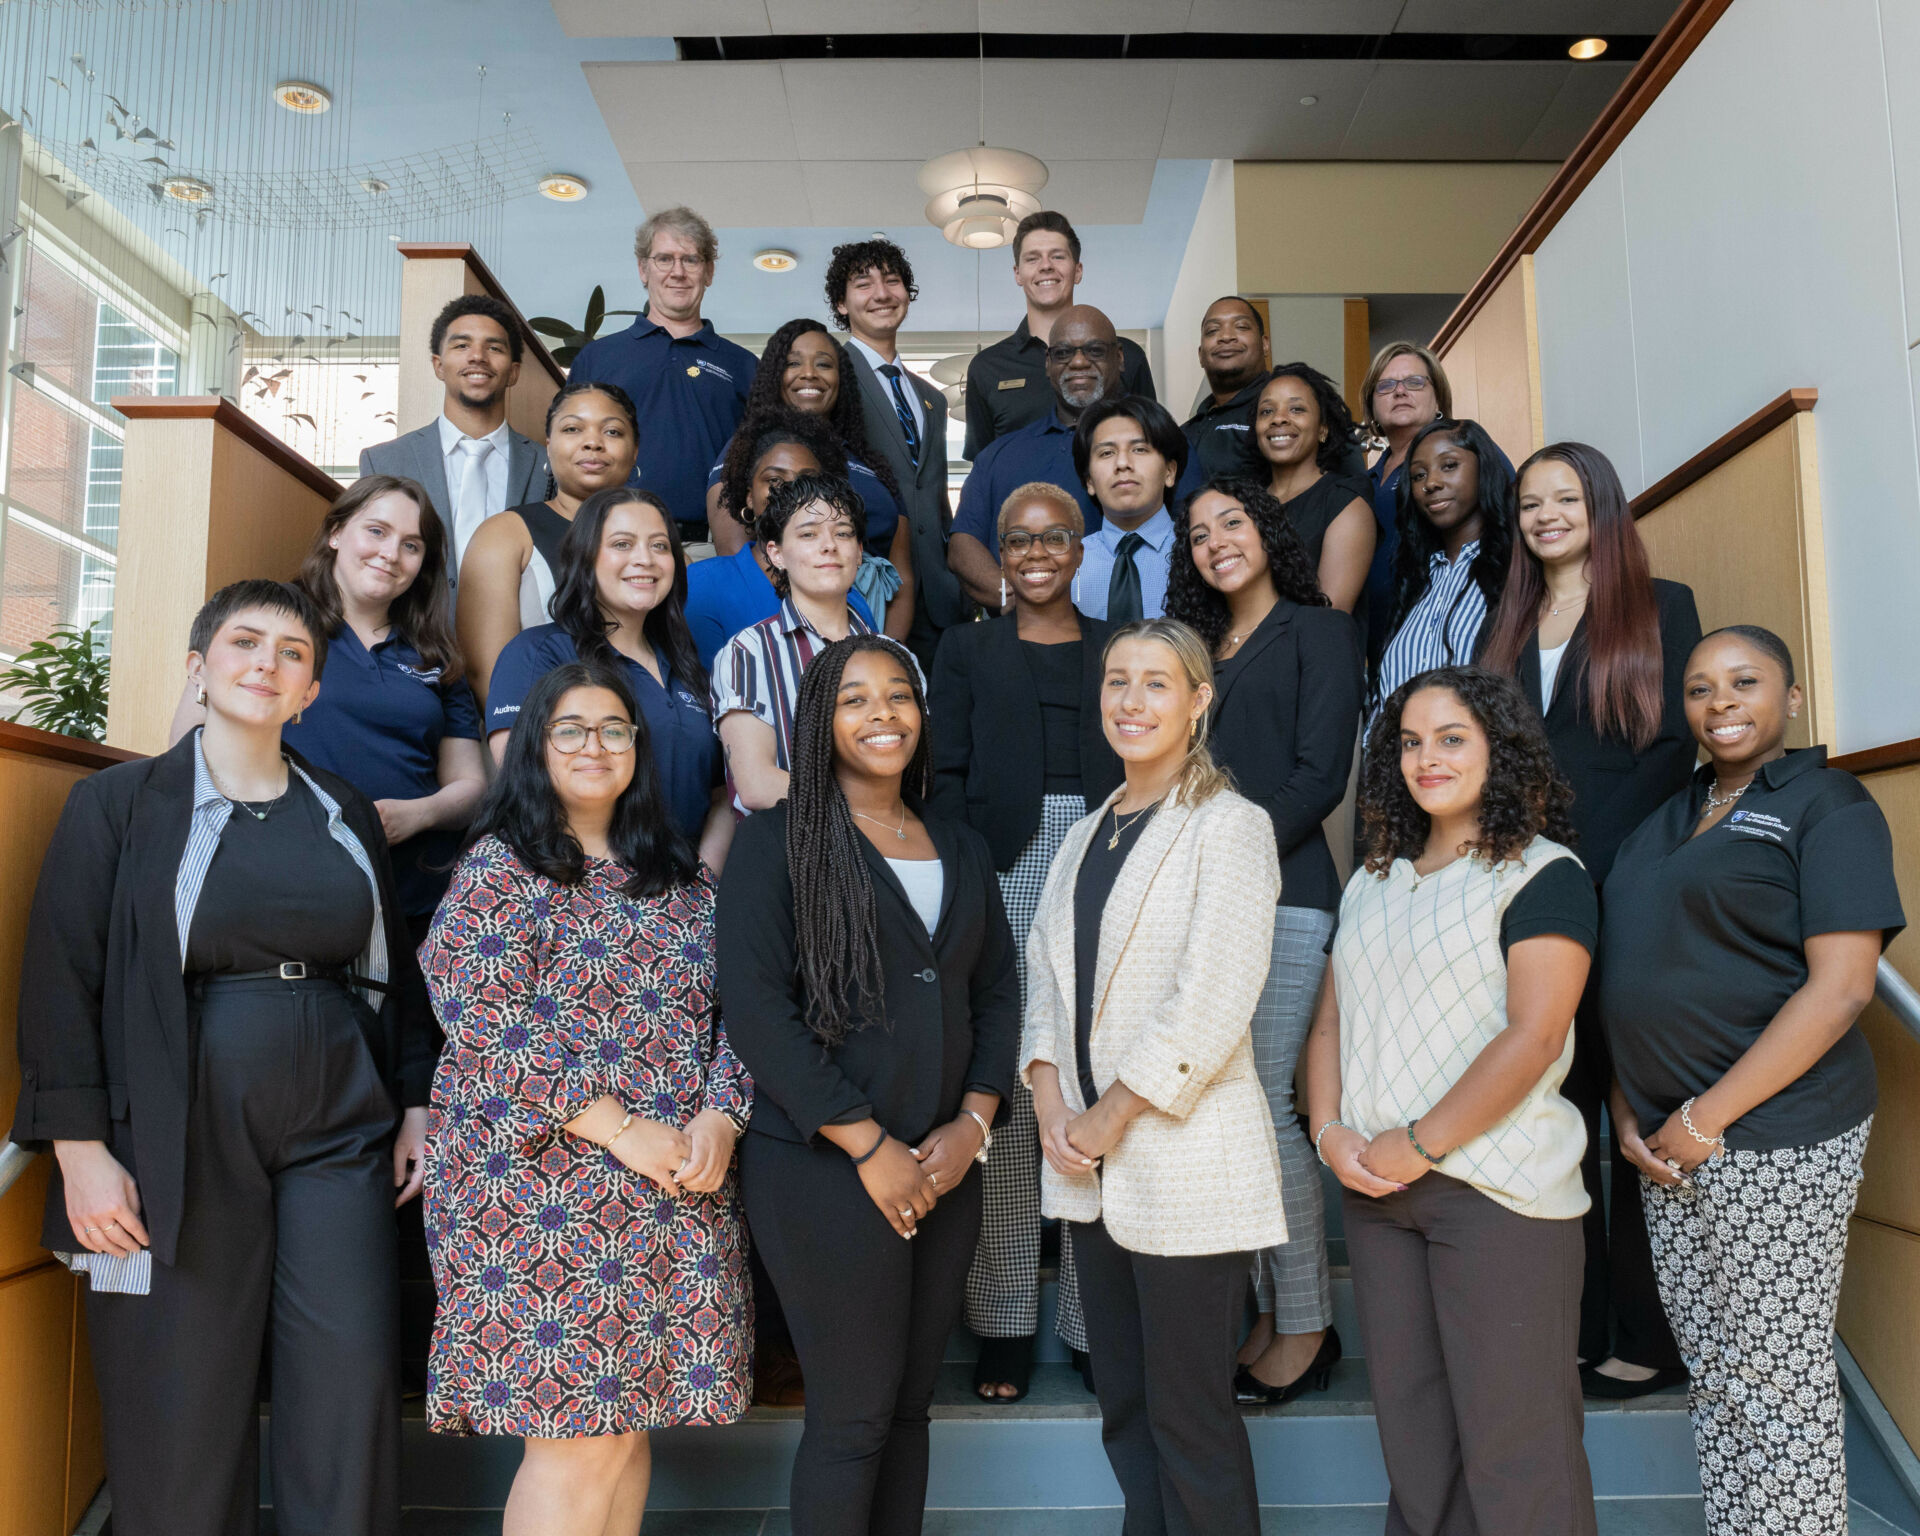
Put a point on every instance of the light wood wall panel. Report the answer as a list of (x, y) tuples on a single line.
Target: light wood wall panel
[(1891, 1194), (1493, 365), (1878, 1319), (434, 276), (36, 1323)]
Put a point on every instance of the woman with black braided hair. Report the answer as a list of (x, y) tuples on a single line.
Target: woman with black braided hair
[(1433, 1076), (1286, 710), (806, 370), (867, 979)]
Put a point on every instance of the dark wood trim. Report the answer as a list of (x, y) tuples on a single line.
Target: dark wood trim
[(453, 251), (225, 414), (1782, 408), (1659, 64), (1895, 754), (31, 741)]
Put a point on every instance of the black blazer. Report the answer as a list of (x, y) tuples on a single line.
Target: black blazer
[(1284, 724), (1615, 788), (952, 999), (106, 1045), (989, 766)]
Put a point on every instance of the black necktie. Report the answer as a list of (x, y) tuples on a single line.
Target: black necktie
[(891, 373), (1124, 603)]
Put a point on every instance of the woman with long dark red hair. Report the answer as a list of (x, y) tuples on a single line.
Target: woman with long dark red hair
[(1600, 646)]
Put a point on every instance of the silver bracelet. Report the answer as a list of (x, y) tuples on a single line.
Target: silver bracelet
[(1322, 1136), (986, 1136), (1718, 1143)]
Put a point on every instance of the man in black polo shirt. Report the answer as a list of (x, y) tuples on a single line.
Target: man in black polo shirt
[(1235, 356), (1007, 382)]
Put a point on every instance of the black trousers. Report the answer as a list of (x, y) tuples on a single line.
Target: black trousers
[(1469, 1311), (870, 1314), (286, 1249), (1162, 1333), (1620, 1311)]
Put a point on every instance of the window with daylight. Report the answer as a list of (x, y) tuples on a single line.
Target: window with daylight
[(74, 349)]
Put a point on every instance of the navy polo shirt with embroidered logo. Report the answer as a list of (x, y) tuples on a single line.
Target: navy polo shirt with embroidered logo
[(1703, 940), (378, 722), (689, 391)]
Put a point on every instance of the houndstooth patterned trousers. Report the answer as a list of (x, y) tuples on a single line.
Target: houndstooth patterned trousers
[(1003, 1287), (1749, 1256)]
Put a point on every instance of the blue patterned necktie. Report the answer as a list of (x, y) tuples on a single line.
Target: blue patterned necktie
[(891, 373)]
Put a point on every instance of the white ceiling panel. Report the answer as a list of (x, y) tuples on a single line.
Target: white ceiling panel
[(908, 109), (1079, 109), (1352, 16), (673, 112), (810, 18), (863, 193), (1099, 191), (751, 193), (662, 18), (1109, 18), (1600, 17), (1430, 111), (1250, 109), (1589, 88)]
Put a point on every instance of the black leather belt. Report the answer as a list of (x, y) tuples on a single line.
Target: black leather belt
[(292, 970)]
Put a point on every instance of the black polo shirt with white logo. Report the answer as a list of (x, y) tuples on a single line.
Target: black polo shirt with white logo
[(1007, 385), (1703, 940)]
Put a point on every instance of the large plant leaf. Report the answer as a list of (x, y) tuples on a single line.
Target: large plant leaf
[(546, 325), (596, 312), (62, 684)]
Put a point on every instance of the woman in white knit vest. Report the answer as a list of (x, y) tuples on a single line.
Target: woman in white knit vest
[(1433, 1087), (1147, 955)]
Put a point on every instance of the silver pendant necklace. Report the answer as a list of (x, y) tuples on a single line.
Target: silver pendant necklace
[(899, 831)]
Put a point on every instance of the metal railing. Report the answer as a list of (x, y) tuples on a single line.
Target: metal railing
[(13, 1163), (1899, 995)]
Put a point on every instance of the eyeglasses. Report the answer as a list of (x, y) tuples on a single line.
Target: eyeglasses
[(1412, 384), (1095, 352), (682, 263), (615, 736), (1055, 541)]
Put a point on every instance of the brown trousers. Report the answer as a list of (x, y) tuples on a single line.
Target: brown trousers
[(1470, 1313)]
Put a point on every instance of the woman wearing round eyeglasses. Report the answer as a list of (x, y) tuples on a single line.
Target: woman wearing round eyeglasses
[(1019, 752)]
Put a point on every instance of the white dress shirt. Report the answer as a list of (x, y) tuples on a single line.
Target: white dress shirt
[(451, 437), (878, 362)]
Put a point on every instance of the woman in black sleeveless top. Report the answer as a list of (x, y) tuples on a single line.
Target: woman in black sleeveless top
[(1303, 429), (507, 574)]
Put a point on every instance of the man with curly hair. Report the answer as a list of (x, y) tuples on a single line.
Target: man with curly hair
[(869, 287)]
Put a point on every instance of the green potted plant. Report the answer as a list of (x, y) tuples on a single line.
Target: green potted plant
[(61, 682)]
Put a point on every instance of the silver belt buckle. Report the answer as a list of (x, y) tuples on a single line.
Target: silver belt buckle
[(293, 970)]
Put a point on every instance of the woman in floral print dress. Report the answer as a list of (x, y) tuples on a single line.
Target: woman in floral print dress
[(581, 1209)]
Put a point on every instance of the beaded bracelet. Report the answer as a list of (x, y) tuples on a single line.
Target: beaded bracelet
[(1431, 1159), (864, 1156), (1322, 1136)]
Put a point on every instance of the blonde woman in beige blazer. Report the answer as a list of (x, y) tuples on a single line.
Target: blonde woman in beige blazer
[(1147, 955)]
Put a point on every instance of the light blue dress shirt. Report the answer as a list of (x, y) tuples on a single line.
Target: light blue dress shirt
[(1096, 568)]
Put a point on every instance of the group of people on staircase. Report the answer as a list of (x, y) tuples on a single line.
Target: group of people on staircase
[(702, 928)]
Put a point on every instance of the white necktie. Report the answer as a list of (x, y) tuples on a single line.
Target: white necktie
[(470, 505)]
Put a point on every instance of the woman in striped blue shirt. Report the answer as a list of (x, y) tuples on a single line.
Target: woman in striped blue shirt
[(1454, 543)]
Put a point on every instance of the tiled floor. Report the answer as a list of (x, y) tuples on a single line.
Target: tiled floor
[(1618, 1517)]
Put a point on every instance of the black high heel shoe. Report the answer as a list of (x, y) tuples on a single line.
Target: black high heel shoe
[(1249, 1388)]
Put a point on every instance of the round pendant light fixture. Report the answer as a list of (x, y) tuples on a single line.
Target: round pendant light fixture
[(977, 197), (303, 96), (563, 187), (775, 260), (186, 189)]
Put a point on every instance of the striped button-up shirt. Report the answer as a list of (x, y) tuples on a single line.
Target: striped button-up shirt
[(1444, 624), (758, 673)]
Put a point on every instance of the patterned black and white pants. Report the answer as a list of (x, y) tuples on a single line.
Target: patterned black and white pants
[(1003, 1287), (1749, 1256)]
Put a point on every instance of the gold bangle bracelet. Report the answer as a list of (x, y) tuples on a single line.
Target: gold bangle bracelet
[(608, 1143)]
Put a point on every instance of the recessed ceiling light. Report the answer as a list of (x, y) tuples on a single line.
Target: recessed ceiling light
[(186, 189), (775, 260), (563, 187), (303, 96), (1309, 101), (1588, 48)]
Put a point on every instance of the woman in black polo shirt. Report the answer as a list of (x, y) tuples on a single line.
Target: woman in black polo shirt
[(1744, 923)]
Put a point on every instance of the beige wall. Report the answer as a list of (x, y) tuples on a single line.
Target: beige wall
[(428, 285), (1207, 272), (1494, 366), (1379, 227)]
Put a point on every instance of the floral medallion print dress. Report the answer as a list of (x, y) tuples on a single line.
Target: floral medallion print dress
[(576, 1298)]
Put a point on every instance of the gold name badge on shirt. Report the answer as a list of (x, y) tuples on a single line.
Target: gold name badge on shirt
[(1011, 384), (693, 372)]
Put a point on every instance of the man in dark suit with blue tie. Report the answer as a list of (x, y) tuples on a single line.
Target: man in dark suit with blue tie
[(869, 286), (470, 461)]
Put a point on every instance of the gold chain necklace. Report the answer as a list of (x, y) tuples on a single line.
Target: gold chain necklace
[(1114, 841)]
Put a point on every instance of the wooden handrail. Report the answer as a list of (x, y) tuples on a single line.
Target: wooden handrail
[(31, 741), (1781, 408), (1660, 63), (228, 415), (1895, 754), (454, 251)]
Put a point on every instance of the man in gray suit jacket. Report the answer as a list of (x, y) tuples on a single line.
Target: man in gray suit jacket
[(470, 461), (869, 286)]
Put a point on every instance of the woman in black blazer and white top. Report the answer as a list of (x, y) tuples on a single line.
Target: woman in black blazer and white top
[(1019, 754), (1600, 648), (1286, 712), (222, 1101), (867, 980)]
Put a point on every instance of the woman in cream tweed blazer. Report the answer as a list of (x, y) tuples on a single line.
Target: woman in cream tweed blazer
[(1147, 954)]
